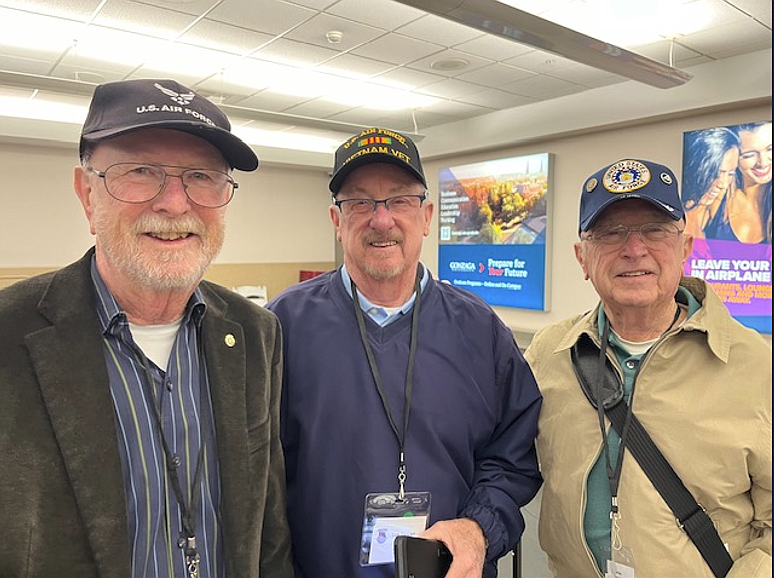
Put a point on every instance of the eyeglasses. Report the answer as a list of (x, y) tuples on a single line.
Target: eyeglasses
[(139, 183), (651, 234), (402, 204)]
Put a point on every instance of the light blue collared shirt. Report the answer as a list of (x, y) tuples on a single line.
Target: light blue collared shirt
[(382, 315)]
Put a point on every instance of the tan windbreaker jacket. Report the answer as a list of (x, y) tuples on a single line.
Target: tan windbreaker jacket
[(704, 396)]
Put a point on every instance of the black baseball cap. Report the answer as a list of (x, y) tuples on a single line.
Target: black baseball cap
[(121, 107), (375, 145), (630, 179)]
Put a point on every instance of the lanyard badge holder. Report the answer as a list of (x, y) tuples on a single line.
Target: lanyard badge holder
[(388, 515)]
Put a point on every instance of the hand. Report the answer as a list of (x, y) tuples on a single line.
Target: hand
[(466, 541)]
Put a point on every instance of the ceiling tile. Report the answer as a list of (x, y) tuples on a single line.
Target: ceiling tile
[(314, 30), (397, 49), (493, 47), (495, 74), (128, 16), (450, 88), (439, 30), (353, 66), (269, 100), (384, 14), (225, 37), (408, 78), (268, 16), (291, 52), (543, 87), (80, 9), (496, 99), (434, 63)]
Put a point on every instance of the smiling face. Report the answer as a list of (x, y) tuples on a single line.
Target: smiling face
[(381, 245), (726, 172), (755, 155), (635, 275), (163, 244)]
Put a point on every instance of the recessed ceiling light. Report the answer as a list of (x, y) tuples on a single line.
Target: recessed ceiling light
[(449, 64)]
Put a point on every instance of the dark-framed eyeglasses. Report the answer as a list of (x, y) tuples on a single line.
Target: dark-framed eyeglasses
[(651, 234), (400, 204), (141, 182)]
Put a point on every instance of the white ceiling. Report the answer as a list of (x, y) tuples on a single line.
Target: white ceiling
[(387, 43)]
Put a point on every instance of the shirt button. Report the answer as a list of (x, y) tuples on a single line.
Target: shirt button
[(631, 364), (169, 386), (175, 462)]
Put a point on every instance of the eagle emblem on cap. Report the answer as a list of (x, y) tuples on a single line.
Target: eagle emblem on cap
[(625, 176), (177, 97)]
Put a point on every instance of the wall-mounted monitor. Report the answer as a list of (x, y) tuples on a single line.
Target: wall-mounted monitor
[(493, 228), (727, 196)]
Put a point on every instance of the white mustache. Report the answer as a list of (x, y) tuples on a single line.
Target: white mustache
[(183, 225)]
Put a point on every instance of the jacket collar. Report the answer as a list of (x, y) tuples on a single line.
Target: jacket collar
[(712, 319)]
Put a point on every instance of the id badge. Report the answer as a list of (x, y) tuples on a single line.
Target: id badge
[(388, 516), (621, 564)]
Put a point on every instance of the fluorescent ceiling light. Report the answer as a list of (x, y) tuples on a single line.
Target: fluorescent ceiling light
[(106, 46), (42, 109), (293, 141), (36, 107)]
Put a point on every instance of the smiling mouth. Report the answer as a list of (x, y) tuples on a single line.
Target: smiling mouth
[(383, 244), (169, 236)]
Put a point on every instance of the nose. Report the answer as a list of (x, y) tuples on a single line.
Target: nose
[(634, 244), (173, 197), (381, 218)]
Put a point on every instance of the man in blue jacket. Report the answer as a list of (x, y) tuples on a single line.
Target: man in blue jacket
[(407, 406)]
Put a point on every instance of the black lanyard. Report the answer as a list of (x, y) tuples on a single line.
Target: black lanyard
[(614, 475), (409, 386), (188, 510)]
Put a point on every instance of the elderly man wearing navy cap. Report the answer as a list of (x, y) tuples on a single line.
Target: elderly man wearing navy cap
[(406, 402), (139, 404), (680, 483)]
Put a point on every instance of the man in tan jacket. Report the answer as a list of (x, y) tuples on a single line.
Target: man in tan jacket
[(697, 380)]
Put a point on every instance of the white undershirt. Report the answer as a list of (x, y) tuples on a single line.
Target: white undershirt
[(635, 347), (156, 341)]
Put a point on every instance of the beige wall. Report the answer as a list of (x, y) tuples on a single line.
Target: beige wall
[(278, 223)]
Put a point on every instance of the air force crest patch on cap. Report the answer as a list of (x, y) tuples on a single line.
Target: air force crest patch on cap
[(625, 176), (629, 179)]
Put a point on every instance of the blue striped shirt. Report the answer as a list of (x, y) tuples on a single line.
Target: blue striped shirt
[(181, 392)]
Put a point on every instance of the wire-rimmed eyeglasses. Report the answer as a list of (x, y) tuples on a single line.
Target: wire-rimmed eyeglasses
[(399, 204), (141, 182), (651, 234)]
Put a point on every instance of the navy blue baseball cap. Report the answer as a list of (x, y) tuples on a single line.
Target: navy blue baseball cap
[(128, 105), (630, 179), (375, 145)]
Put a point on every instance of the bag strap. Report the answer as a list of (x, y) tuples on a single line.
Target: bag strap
[(691, 517)]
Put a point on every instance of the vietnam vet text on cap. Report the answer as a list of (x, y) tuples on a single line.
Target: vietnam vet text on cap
[(121, 107), (375, 145), (629, 179)]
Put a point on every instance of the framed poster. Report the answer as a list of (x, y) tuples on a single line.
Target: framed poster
[(492, 230), (727, 198)]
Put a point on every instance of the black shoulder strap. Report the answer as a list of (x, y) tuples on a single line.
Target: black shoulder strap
[(690, 516)]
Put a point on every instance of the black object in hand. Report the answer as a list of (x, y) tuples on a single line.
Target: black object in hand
[(421, 558)]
